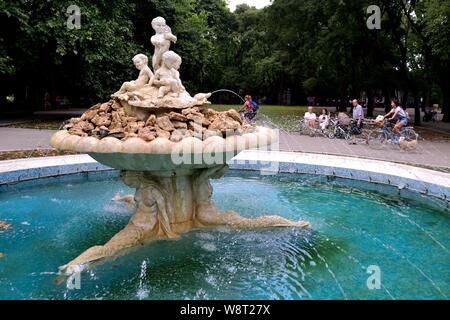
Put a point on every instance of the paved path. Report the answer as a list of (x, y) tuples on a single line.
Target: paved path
[(432, 154), (24, 139)]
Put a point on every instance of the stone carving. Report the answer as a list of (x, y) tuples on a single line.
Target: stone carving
[(161, 40), (166, 206), (145, 74), (146, 130), (167, 77), (4, 225)]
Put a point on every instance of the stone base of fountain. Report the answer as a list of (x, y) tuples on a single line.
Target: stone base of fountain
[(168, 204)]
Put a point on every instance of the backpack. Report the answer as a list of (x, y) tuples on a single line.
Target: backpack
[(254, 105)]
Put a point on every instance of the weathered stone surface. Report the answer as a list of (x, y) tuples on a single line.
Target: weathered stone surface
[(210, 114), (132, 127), (118, 133), (177, 136), (91, 113), (147, 134), (151, 121), (211, 133), (4, 225), (224, 123), (179, 125), (129, 135), (198, 118), (105, 107), (162, 133), (175, 116), (111, 120), (195, 127), (165, 124), (187, 111), (78, 132), (101, 120), (232, 113), (84, 126)]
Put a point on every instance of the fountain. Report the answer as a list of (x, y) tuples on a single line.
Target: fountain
[(168, 145)]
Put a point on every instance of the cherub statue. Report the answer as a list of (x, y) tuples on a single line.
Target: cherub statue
[(149, 221), (167, 78), (161, 40), (141, 63)]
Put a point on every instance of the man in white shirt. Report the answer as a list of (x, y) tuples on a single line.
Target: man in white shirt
[(310, 117), (358, 117)]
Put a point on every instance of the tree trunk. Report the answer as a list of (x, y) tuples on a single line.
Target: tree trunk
[(446, 103), (370, 104)]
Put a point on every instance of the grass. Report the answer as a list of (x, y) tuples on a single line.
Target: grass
[(39, 124), (37, 153), (285, 117)]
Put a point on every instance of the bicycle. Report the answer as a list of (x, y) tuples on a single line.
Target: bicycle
[(306, 129), (339, 131), (383, 136)]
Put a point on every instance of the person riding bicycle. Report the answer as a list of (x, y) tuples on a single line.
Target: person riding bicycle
[(250, 108), (399, 114)]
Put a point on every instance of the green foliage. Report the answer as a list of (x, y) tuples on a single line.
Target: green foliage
[(312, 47)]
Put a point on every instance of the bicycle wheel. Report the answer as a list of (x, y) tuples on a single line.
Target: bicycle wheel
[(409, 134), (347, 135), (377, 139), (301, 129)]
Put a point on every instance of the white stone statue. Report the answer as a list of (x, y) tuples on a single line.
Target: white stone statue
[(161, 40), (167, 78), (141, 63)]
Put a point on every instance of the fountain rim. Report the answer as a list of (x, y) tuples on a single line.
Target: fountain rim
[(261, 137), (399, 176)]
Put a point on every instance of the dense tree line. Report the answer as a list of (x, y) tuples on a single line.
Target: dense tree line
[(285, 52)]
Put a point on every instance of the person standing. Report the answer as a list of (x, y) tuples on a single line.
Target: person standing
[(358, 118)]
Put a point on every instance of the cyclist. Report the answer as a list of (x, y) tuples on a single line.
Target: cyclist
[(249, 108), (399, 114)]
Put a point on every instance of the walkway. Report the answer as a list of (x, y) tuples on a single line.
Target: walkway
[(12, 139), (429, 154)]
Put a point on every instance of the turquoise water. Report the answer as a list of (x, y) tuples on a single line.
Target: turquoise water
[(408, 240)]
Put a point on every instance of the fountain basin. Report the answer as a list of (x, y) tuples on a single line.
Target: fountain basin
[(355, 228)]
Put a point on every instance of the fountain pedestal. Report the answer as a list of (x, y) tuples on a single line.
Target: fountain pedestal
[(168, 204)]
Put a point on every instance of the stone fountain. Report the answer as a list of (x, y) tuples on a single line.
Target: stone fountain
[(168, 145)]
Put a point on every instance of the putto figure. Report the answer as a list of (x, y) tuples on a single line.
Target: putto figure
[(167, 78), (141, 63), (161, 40)]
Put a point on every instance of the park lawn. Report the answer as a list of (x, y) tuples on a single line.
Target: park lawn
[(39, 124), (286, 117)]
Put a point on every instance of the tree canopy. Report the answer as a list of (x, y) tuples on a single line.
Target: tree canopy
[(301, 48)]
